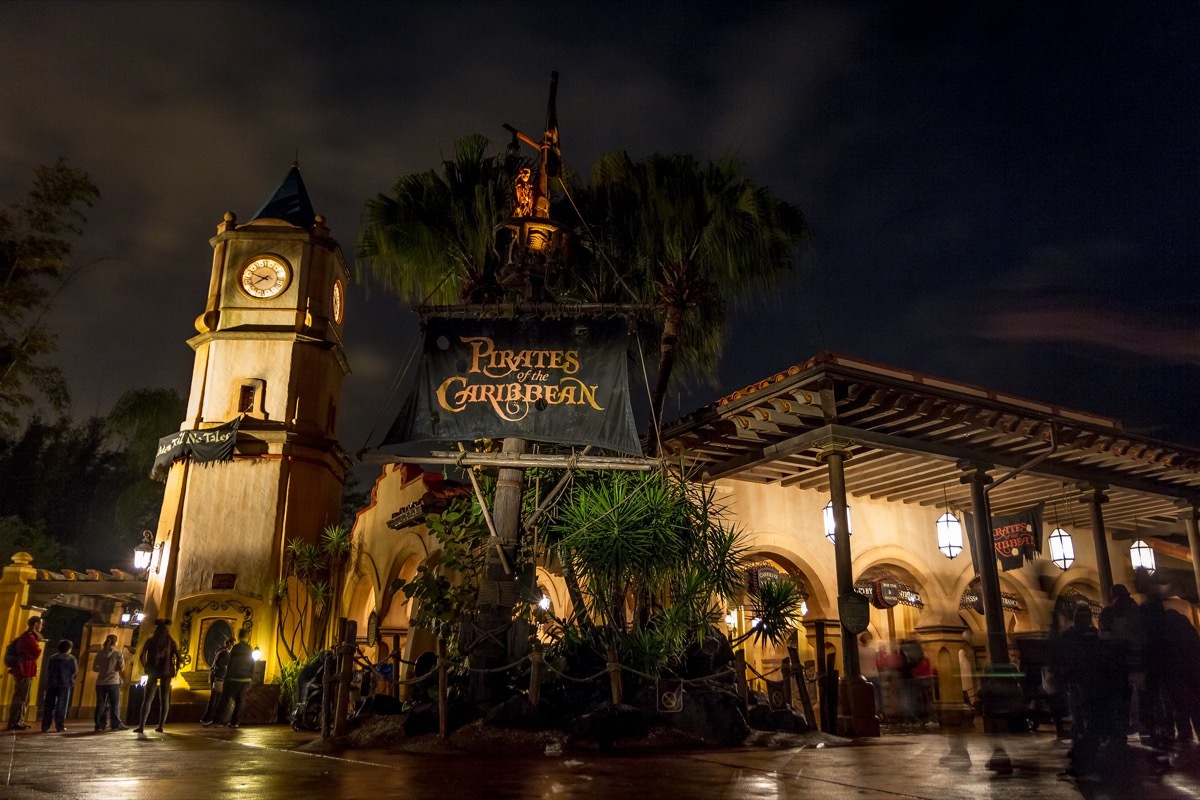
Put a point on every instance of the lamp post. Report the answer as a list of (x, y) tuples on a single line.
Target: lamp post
[(142, 555)]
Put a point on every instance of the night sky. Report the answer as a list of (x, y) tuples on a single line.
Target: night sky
[(999, 193)]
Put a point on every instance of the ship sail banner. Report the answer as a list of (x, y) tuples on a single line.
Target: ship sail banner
[(563, 381)]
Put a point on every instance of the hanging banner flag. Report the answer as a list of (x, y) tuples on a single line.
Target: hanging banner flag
[(203, 446), (564, 381), (1016, 538)]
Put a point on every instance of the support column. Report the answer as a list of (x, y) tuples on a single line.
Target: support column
[(1000, 696), (1094, 496), (985, 561), (498, 591), (1189, 512), (835, 455), (856, 701)]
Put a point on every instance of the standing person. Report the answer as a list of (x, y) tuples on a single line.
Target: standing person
[(160, 660), (216, 683), (28, 651), (868, 659), (109, 664), (237, 679), (60, 679)]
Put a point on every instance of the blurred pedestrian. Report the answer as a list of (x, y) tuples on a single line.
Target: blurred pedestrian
[(60, 679), (237, 680), (160, 661), (109, 666), (28, 651), (216, 682), (868, 660)]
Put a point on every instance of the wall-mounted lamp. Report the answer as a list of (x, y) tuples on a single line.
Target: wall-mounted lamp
[(142, 555), (830, 527)]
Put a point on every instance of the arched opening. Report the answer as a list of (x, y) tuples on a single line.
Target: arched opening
[(801, 645)]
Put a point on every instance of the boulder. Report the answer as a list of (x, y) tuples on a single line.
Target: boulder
[(712, 713), (517, 713), (423, 718), (610, 724), (784, 720)]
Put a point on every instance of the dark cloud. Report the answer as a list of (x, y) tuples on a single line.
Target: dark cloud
[(965, 168)]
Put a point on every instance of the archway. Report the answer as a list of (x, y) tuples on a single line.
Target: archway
[(801, 646)]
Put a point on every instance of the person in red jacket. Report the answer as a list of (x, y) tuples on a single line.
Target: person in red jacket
[(28, 652)]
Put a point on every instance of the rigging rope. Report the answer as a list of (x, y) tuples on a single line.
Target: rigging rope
[(408, 359)]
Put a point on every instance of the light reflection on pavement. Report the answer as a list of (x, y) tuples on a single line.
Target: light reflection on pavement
[(193, 763)]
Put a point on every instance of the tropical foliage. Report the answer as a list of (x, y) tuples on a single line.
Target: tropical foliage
[(36, 240), (432, 239), (654, 560), (304, 598), (78, 494), (692, 240), (446, 587)]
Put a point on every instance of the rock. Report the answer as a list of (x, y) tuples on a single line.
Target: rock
[(708, 658), (610, 724), (384, 705), (518, 713), (711, 713), (423, 718)]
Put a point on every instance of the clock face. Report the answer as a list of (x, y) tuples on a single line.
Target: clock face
[(339, 302), (265, 277)]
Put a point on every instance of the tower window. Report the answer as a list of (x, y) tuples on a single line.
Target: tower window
[(249, 396), (246, 399)]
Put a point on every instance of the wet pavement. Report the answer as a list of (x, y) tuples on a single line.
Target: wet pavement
[(190, 762)]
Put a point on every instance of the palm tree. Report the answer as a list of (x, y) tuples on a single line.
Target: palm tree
[(655, 538), (431, 239), (693, 240)]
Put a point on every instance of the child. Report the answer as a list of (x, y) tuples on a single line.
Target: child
[(60, 677)]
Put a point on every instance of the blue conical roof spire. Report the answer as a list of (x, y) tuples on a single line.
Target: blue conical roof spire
[(290, 202)]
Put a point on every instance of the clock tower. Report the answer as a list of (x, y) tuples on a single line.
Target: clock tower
[(268, 353)]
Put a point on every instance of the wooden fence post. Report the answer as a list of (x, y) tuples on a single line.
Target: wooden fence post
[(329, 677), (346, 676), (395, 686), (739, 667), (537, 662), (443, 690), (614, 677)]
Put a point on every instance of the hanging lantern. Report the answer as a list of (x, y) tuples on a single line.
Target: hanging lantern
[(949, 535), (830, 528), (1062, 549), (1141, 555)]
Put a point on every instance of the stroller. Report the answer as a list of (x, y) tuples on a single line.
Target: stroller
[(309, 693)]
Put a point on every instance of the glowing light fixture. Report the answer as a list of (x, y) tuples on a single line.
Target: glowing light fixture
[(142, 554), (143, 680), (256, 654), (1062, 549), (804, 608), (830, 528), (949, 535), (1141, 555), (544, 603), (731, 619)]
